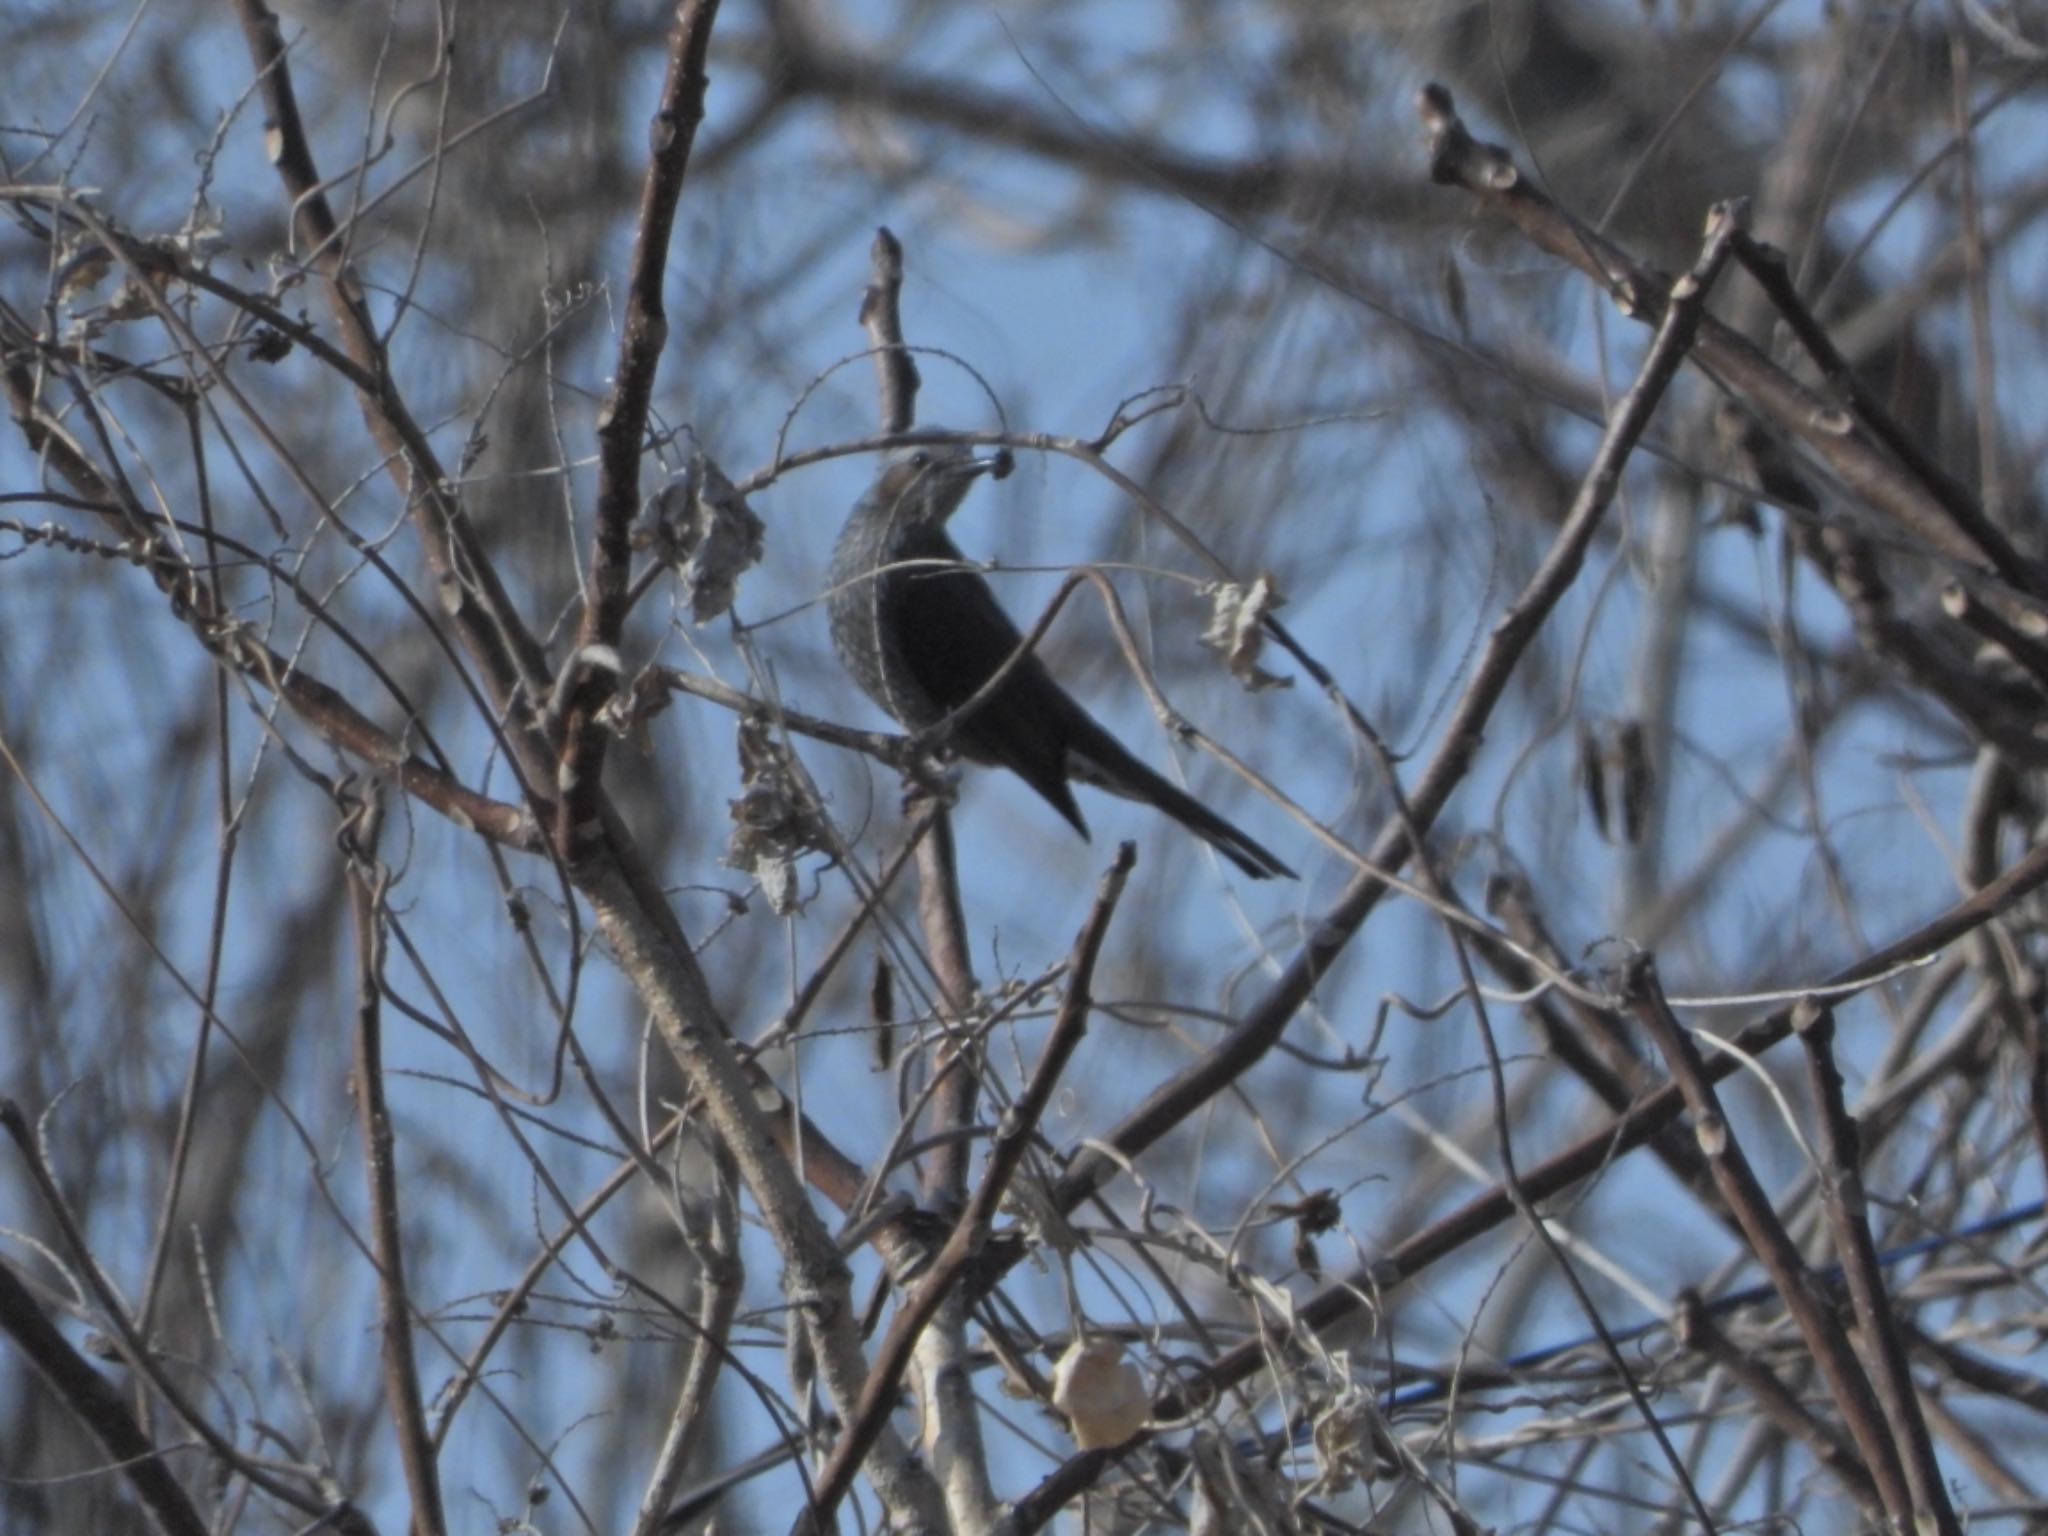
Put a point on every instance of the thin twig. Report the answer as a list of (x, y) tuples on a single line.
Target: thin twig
[(1797, 1286), (622, 424), (367, 883), (970, 1232), (1841, 1187)]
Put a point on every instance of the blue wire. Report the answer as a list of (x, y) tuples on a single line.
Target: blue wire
[(1439, 1385)]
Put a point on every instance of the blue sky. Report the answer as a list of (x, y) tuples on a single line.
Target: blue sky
[(1062, 334)]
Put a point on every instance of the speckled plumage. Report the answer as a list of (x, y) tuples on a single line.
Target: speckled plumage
[(922, 634)]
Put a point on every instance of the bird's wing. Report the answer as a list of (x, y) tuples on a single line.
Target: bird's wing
[(954, 636)]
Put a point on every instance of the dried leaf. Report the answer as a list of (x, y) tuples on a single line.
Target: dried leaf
[(700, 523), (1233, 1495), (1236, 631), (1101, 1393), (773, 823)]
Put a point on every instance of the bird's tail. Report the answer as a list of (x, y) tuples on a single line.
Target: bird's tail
[(1098, 758)]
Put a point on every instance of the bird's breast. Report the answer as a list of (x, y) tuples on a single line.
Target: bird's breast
[(868, 580)]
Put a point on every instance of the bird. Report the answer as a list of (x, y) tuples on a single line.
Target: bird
[(921, 633)]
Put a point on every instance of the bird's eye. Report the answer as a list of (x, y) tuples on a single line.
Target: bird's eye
[(921, 459)]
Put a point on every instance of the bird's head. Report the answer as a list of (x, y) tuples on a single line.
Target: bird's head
[(925, 483)]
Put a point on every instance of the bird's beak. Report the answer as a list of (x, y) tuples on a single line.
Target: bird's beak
[(996, 466)]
